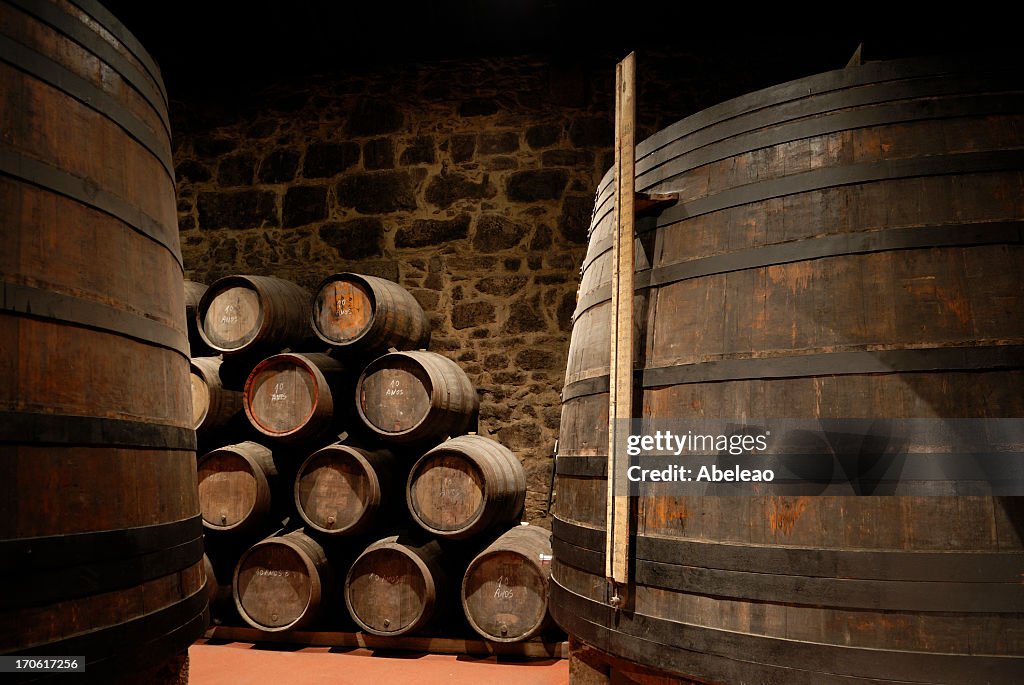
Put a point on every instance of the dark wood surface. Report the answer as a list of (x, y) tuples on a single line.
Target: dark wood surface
[(235, 484), (213, 405), (100, 541), (847, 246), (532, 649), (416, 396), (465, 486), (395, 587), (281, 582), (254, 314), (368, 314), (291, 396), (344, 490), (505, 588)]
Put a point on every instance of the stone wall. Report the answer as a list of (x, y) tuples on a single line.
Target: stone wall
[(470, 183)]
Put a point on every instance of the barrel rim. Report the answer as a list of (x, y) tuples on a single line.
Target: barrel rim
[(262, 484), (371, 293), (218, 287), (425, 379), (315, 589), (479, 559), (353, 453), (429, 587), (197, 423), (318, 381), (487, 490)]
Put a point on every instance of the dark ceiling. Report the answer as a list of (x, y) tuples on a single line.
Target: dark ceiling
[(217, 47)]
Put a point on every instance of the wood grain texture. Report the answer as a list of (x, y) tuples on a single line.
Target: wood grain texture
[(235, 487), (406, 397), (290, 396), (368, 314), (465, 486), (90, 247), (282, 583), (505, 587), (344, 490), (795, 243), (396, 586), (254, 315)]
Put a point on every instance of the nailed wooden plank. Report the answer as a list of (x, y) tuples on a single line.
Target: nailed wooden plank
[(620, 397)]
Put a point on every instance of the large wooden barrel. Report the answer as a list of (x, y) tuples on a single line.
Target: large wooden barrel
[(254, 315), (100, 535), (465, 486), (396, 586), (844, 246), (213, 405), (368, 314), (343, 490), (406, 397), (291, 397), (235, 487), (283, 583), (505, 588)]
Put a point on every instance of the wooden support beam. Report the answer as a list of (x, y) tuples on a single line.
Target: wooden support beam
[(620, 396), (650, 203)]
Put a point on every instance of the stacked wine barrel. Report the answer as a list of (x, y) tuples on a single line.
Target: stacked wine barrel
[(342, 483)]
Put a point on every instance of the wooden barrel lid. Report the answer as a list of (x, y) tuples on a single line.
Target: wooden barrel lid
[(233, 315), (274, 585), (447, 491), (389, 590), (334, 488), (505, 595), (395, 397), (281, 394), (343, 309)]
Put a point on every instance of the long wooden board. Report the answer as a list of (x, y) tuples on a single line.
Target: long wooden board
[(433, 645)]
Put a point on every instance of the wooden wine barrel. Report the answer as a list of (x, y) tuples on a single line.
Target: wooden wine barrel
[(100, 536), (213, 405), (216, 593), (505, 588), (847, 245), (283, 583), (193, 294), (406, 397), (465, 486), (368, 314), (343, 490), (254, 315), (396, 586), (290, 396), (235, 487)]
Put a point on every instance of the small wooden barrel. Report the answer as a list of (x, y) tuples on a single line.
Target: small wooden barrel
[(505, 588), (282, 583), (368, 314), (193, 294), (235, 487), (394, 586), (413, 396), (213, 405), (340, 488), (289, 396), (465, 486), (216, 593), (251, 314)]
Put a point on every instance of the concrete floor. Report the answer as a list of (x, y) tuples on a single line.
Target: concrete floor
[(243, 663)]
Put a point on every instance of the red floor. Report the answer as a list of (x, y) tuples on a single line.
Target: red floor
[(243, 663)]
